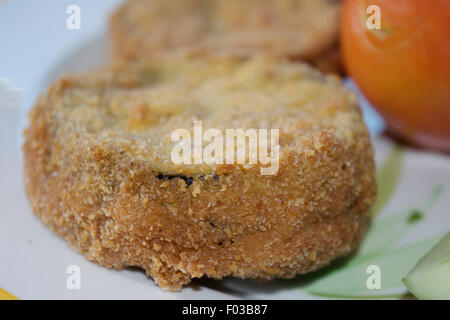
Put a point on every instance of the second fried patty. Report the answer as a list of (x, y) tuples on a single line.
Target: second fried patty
[(302, 29), (98, 169)]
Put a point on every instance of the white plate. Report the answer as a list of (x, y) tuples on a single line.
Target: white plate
[(37, 48)]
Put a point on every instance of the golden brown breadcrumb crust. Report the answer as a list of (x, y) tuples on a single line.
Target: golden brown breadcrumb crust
[(297, 29), (99, 179)]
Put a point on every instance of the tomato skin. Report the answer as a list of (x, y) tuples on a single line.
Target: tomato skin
[(404, 68)]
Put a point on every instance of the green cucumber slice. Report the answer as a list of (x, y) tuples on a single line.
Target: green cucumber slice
[(430, 278)]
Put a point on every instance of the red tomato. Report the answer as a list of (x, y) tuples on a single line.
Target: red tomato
[(404, 67)]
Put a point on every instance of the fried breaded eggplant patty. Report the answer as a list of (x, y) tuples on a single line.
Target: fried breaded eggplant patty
[(300, 29), (99, 173)]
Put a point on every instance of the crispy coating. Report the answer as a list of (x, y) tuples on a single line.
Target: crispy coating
[(300, 29), (98, 169)]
